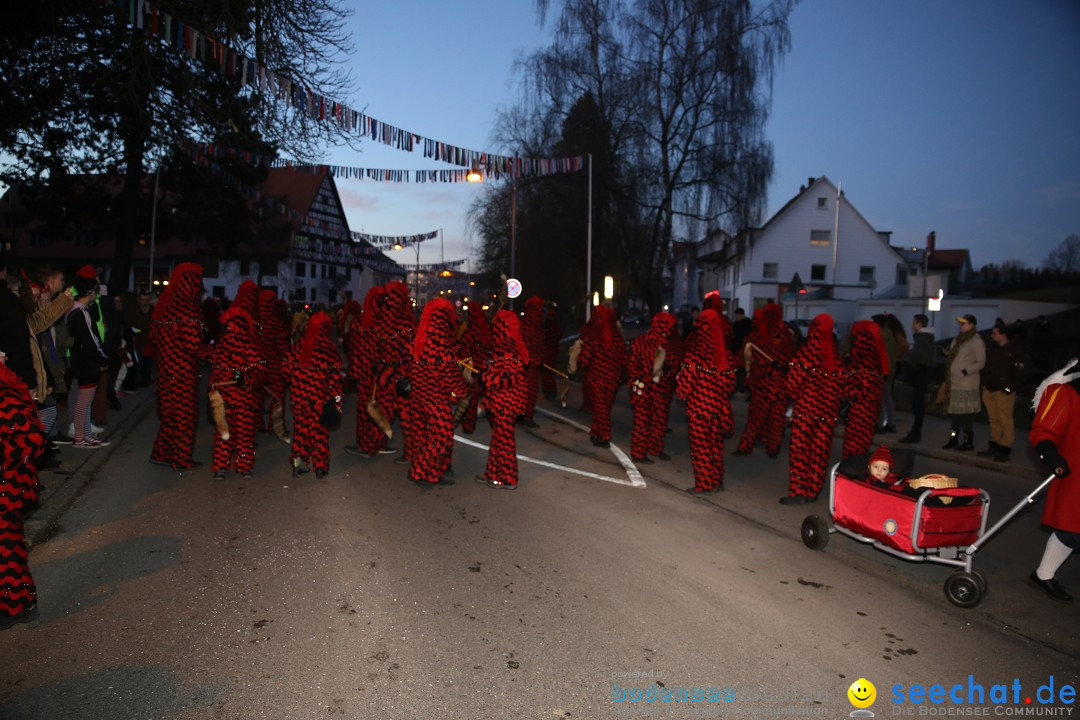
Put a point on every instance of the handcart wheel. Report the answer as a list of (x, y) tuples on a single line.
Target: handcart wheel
[(815, 532), (964, 589), (981, 580)]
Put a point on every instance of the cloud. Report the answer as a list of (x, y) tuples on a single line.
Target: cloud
[(355, 200), (1064, 192)]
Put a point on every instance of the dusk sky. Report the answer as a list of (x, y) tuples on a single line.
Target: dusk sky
[(958, 117)]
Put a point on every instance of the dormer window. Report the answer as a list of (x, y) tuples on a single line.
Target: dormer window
[(820, 238), (821, 203)]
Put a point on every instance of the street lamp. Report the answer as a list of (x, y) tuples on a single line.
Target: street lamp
[(609, 287), (475, 174)]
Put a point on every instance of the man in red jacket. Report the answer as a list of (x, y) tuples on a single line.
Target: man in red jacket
[(1055, 435)]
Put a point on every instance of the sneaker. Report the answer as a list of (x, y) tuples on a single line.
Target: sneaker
[(98, 442), (388, 450), (353, 450), (85, 444), (501, 485), (96, 429), (60, 440)]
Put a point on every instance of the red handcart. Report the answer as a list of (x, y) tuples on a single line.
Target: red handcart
[(943, 525)]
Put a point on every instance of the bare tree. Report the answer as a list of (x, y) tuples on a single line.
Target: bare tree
[(1065, 258), (678, 92)]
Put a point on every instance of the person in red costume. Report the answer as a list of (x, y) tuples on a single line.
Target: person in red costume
[(247, 299), (603, 362), (362, 349), (504, 374), (22, 440), (552, 335), (532, 332), (395, 332), (475, 347), (649, 354), (706, 383), (815, 383), (438, 385), (1055, 435), (272, 337), (868, 366), (768, 349), (179, 334), (313, 369), (237, 373)]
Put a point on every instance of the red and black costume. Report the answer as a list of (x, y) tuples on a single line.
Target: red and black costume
[(178, 333), (503, 376), (868, 366), (362, 351), (552, 335), (532, 332), (273, 341), (706, 383), (313, 369), (768, 357), (603, 363), (475, 345), (437, 386), (22, 440), (237, 372), (815, 384), (247, 299), (649, 354), (395, 332)]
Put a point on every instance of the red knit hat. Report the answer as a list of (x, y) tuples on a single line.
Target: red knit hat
[(87, 271), (883, 454)]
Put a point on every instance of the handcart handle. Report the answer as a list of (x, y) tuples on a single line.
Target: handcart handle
[(1028, 499)]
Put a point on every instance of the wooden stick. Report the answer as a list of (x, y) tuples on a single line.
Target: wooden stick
[(560, 373), (755, 347)]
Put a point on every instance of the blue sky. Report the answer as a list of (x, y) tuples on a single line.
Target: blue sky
[(958, 117)]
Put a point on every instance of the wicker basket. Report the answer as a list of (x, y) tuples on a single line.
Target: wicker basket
[(936, 481)]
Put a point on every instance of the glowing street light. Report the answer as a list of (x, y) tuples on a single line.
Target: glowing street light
[(475, 174), (609, 287)]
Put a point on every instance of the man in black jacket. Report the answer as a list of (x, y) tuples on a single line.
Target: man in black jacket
[(920, 362), (1005, 371)]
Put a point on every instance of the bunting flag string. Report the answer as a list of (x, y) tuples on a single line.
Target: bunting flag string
[(247, 72), (389, 241)]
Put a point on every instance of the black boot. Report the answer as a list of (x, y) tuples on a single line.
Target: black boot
[(991, 450), (954, 440), (968, 444), (1003, 454), (911, 437)]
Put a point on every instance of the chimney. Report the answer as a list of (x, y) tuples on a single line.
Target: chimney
[(810, 181), (930, 240)]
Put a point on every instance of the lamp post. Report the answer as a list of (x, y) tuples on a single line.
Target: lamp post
[(588, 245)]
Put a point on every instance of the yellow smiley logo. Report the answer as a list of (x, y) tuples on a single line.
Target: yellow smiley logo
[(862, 693)]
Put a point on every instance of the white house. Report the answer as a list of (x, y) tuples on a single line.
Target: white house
[(818, 235)]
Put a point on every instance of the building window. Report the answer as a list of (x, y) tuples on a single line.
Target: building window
[(901, 276), (311, 295), (333, 296), (218, 291), (820, 238), (333, 272), (348, 273), (866, 273), (817, 273), (821, 204), (768, 271), (301, 269), (325, 272)]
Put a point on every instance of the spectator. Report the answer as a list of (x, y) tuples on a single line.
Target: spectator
[(967, 357), (740, 329), (920, 362), (88, 361), (138, 317), (1006, 370), (896, 347)]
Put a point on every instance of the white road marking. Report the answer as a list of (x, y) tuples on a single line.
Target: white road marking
[(633, 477)]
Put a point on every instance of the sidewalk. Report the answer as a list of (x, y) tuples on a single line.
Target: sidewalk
[(61, 487)]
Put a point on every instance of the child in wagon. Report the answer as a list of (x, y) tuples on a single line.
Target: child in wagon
[(879, 470)]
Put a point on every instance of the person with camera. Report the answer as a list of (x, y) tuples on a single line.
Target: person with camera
[(88, 360)]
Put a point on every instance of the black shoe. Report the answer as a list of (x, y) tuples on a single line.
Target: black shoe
[(911, 437), (401, 460), (162, 463), (219, 474), (601, 443), (966, 446), (388, 450), (663, 455), (953, 443), (887, 429), (300, 469), (699, 491), (499, 485), (422, 484), (1051, 587), (644, 460), (1003, 456), (320, 473), (353, 450), (483, 480), (797, 500), (447, 479), (991, 450), (28, 615), (247, 476), (195, 465), (527, 422)]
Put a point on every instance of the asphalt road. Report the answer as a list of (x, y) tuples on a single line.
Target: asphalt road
[(171, 595)]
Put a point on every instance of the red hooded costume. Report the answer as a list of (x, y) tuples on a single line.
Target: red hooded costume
[(603, 363), (768, 399), (503, 377), (868, 365), (648, 397), (313, 370), (238, 372)]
